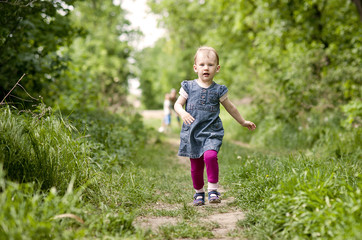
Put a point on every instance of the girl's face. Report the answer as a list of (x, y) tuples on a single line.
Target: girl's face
[(206, 66)]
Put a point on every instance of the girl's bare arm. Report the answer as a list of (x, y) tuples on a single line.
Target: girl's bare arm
[(186, 117), (233, 111)]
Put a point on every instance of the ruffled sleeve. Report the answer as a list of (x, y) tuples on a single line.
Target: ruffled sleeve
[(223, 93), (184, 90)]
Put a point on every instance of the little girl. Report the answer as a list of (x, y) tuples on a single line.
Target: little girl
[(166, 120), (202, 131)]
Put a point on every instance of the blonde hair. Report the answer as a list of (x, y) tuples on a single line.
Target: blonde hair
[(208, 49)]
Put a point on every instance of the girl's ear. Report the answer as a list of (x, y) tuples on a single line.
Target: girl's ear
[(195, 68), (218, 68)]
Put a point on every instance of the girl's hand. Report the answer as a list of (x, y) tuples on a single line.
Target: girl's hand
[(187, 118), (249, 125)]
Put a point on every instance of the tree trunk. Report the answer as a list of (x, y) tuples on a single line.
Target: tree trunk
[(359, 8)]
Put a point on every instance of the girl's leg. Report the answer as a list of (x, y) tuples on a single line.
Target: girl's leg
[(212, 169), (212, 166), (197, 172)]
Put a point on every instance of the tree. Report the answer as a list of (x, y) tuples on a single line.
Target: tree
[(99, 71), (295, 58), (31, 34), (170, 61)]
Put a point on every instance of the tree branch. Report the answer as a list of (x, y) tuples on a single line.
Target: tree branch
[(12, 89)]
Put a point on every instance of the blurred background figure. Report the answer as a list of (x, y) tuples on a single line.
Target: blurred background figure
[(166, 120), (173, 98)]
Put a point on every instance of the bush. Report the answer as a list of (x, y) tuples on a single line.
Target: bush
[(114, 139)]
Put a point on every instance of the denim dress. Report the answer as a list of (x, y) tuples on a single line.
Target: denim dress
[(206, 132)]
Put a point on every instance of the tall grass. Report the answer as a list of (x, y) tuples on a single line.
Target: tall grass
[(41, 149), (41, 155)]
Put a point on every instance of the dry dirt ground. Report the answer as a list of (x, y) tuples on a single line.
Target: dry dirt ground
[(223, 216)]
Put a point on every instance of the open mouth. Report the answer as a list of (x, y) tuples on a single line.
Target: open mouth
[(206, 74)]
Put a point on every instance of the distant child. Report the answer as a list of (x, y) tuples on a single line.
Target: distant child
[(166, 121), (173, 98), (202, 131)]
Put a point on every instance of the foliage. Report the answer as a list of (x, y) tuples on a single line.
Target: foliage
[(75, 53), (295, 197), (114, 140), (165, 65), (315, 204), (43, 151), (31, 35), (40, 148), (299, 61), (25, 214), (353, 110), (99, 71)]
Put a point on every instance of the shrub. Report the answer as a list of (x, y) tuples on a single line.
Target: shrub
[(113, 139)]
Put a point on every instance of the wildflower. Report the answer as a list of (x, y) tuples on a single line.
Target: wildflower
[(238, 157)]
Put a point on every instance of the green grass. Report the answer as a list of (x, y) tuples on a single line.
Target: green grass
[(29, 214), (286, 194), (185, 230), (41, 148), (295, 196)]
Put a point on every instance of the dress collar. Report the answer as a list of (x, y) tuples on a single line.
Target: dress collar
[(212, 84)]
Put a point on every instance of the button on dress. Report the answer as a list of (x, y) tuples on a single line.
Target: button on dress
[(206, 132)]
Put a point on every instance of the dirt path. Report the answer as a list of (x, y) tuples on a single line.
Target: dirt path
[(149, 114), (223, 217)]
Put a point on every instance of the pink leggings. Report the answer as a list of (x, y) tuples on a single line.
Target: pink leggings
[(197, 169)]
